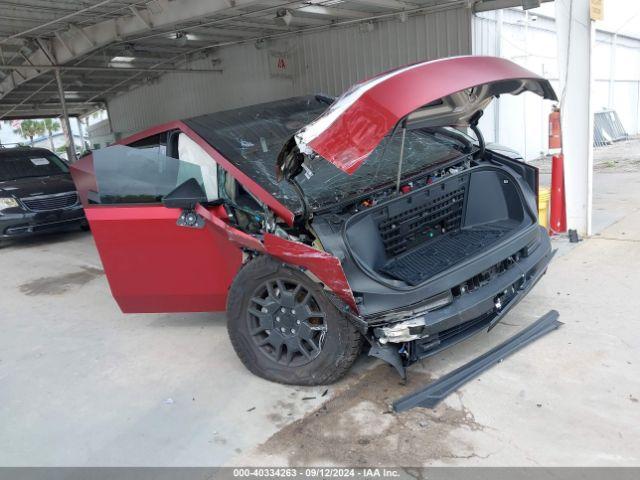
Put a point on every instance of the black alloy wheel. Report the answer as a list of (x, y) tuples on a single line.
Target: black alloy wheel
[(284, 327), (286, 322)]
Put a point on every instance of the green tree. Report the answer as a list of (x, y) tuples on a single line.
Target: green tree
[(51, 126), (30, 129)]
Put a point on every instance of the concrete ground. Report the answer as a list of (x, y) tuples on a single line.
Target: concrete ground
[(83, 385)]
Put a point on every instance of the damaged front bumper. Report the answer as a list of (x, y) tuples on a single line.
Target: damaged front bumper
[(467, 312)]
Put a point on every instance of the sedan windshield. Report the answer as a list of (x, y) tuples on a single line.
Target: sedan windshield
[(252, 137), (25, 164)]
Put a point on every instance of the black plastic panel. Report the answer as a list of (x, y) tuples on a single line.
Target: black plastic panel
[(443, 252), (435, 392), (418, 236), (416, 219)]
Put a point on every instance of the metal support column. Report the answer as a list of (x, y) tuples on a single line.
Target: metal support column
[(496, 102), (81, 132), (71, 147), (576, 36)]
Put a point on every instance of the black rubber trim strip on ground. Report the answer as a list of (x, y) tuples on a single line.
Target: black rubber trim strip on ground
[(437, 391)]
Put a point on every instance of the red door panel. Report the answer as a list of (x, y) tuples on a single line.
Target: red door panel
[(154, 265)]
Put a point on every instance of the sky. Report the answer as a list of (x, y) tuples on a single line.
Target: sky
[(7, 136)]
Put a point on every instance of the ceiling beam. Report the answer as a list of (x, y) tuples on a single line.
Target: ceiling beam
[(47, 106), (79, 41), (53, 22), (29, 113), (305, 21), (15, 97), (487, 5), (331, 12), (74, 68), (390, 4), (258, 25), (140, 17), (223, 32)]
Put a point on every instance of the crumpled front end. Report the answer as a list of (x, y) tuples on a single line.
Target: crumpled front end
[(436, 265), (476, 305)]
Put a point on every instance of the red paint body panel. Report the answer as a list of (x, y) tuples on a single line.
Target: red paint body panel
[(152, 264), (155, 266), (323, 265), (349, 138), (215, 221)]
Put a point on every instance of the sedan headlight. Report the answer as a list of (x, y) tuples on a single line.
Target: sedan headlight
[(8, 202)]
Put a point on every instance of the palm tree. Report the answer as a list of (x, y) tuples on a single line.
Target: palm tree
[(30, 129), (51, 126)]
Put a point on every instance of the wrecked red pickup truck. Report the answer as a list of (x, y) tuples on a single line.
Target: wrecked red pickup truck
[(320, 223)]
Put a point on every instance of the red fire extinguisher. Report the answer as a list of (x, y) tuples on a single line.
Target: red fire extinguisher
[(555, 130)]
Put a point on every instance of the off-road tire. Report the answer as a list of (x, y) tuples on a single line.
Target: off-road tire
[(341, 342)]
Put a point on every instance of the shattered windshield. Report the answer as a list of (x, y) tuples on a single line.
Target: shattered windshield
[(252, 137), (329, 184)]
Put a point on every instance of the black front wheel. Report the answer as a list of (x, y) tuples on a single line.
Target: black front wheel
[(283, 327)]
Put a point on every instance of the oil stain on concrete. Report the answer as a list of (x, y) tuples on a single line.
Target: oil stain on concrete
[(284, 410), (358, 428), (58, 284)]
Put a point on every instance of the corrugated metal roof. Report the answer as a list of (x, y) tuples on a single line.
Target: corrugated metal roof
[(113, 45)]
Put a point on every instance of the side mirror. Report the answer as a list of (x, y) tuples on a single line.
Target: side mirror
[(185, 196)]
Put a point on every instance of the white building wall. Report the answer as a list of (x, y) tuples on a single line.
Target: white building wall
[(522, 122), (326, 61), (617, 57)]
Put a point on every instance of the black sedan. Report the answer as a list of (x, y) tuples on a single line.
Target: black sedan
[(37, 194)]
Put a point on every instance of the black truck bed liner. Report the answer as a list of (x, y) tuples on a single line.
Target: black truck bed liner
[(417, 236), (443, 252)]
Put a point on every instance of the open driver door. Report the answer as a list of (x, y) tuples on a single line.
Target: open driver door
[(159, 257)]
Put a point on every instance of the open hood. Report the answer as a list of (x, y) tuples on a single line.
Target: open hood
[(445, 92)]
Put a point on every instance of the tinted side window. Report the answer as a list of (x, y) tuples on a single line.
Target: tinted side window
[(139, 175), (155, 143)]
